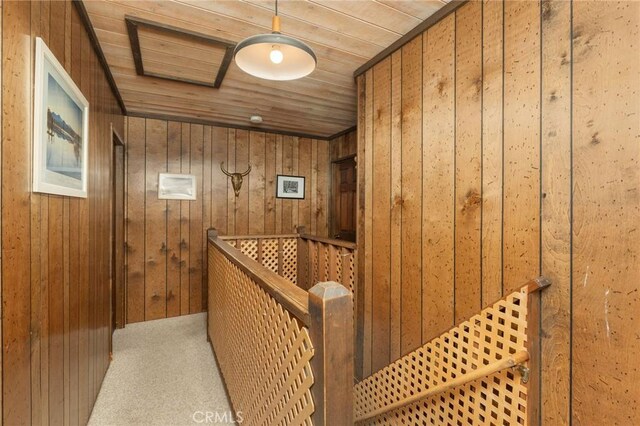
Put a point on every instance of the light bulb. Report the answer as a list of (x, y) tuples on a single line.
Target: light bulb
[(276, 55)]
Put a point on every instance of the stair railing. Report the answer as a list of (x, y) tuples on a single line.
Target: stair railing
[(484, 371), (286, 354)]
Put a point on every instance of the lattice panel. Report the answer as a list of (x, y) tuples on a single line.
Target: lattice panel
[(325, 261), (500, 399), (348, 269), (249, 248), (290, 259), (263, 353), (270, 254), (315, 264), (339, 264)]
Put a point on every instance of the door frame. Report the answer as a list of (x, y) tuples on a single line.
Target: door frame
[(117, 284)]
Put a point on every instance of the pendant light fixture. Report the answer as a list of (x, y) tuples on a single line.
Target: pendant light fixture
[(275, 56)]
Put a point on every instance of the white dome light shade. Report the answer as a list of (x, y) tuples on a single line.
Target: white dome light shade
[(254, 56)]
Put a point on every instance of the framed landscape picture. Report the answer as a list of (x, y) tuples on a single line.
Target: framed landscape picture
[(61, 127), (173, 186), (290, 187)]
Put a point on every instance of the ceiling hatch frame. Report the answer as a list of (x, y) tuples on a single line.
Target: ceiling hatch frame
[(134, 23)]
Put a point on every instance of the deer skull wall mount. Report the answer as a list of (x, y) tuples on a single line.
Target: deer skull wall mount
[(236, 178)]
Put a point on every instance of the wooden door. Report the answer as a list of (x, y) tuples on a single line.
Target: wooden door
[(343, 218)]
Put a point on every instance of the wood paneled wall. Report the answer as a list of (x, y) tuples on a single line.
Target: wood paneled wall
[(500, 144), (55, 250), (166, 240), (344, 145)]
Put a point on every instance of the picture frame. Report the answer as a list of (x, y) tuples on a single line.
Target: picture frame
[(61, 129), (172, 186), (290, 187)]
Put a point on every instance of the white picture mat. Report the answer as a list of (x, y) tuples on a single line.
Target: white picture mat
[(172, 186), (45, 180)]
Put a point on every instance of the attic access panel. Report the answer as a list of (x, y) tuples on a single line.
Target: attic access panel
[(177, 54)]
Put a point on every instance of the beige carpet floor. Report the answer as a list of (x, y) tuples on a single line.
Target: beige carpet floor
[(163, 373)]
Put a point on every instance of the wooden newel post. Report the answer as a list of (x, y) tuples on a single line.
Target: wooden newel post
[(331, 330), (303, 260), (212, 233), (534, 347)]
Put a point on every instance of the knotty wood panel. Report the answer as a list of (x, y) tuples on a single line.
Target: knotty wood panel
[(56, 251), (438, 171), (606, 208), (195, 219), (468, 155), (155, 222), (1, 118), (381, 284), (492, 146), (396, 207), (165, 239), (411, 202), (135, 219), (521, 192), (174, 165), (185, 209), (530, 166), (556, 227)]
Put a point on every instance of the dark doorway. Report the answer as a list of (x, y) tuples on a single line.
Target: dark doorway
[(344, 181), (117, 237)]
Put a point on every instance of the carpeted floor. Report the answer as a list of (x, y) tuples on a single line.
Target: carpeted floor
[(163, 373)]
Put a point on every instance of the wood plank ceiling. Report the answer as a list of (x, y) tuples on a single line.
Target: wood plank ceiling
[(343, 34)]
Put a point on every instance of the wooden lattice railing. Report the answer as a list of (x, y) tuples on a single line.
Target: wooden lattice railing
[(324, 259), (475, 374), (285, 353), (301, 258), (275, 252)]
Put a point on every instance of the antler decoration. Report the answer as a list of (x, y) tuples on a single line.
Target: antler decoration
[(236, 178)]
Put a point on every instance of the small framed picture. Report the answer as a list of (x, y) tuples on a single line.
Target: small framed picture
[(60, 131), (290, 187), (176, 187)]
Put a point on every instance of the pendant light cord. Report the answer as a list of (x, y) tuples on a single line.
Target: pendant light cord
[(276, 7)]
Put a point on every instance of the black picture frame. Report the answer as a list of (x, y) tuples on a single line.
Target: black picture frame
[(290, 187)]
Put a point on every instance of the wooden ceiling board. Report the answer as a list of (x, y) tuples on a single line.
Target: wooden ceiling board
[(310, 113), (210, 57), (235, 91), (199, 17), (420, 9), (344, 35), (178, 45), (333, 20), (155, 60), (376, 13), (315, 35), (112, 24), (200, 101), (301, 90), (161, 68)]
